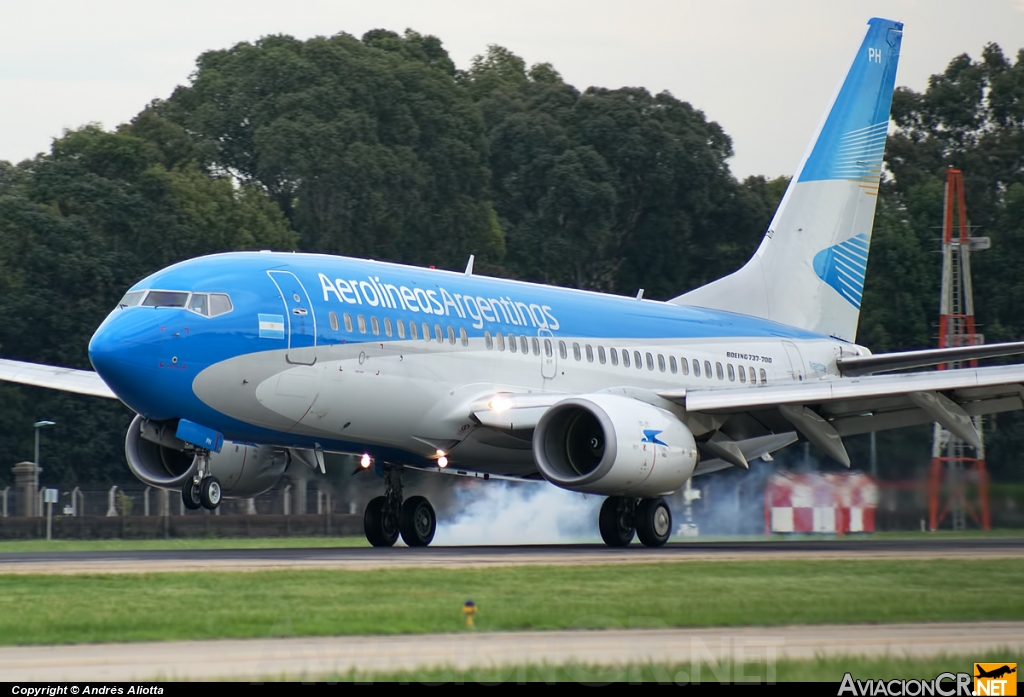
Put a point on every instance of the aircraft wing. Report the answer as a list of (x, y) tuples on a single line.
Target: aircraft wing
[(55, 378), (824, 411)]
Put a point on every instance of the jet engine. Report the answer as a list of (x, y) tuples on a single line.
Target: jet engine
[(157, 458), (614, 445)]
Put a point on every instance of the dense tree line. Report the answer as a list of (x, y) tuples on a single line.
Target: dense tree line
[(379, 147)]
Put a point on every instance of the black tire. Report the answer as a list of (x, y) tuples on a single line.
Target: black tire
[(653, 522), (210, 492), (417, 522), (616, 521), (379, 524), (190, 495)]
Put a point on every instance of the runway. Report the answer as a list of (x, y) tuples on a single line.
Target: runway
[(738, 651), (363, 558)]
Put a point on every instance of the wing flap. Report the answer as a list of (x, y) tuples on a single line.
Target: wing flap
[(55, 378)]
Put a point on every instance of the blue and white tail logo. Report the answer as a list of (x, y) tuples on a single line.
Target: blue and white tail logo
[(843, 267), (809, 270)]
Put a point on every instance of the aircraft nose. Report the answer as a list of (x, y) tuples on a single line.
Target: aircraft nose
[(119, 351)]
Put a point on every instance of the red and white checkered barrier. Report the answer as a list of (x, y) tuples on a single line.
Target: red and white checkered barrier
[(821, 503)]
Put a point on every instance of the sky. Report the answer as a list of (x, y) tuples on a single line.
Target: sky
[(763, 70)]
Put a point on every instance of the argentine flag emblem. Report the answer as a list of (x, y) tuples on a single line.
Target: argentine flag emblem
[(271, 326)]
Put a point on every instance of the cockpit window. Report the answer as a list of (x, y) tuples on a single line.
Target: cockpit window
[(198, 304), (219, 304), (165, 298), (132, 298)]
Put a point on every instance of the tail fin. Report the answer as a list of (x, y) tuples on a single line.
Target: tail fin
[(809, 270)]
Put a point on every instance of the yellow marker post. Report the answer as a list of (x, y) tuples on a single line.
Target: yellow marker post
[(469, 609)]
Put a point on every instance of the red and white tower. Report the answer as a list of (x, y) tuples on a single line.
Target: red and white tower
[(957, 466)]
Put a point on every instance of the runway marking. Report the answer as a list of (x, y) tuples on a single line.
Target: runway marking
[(314, 657)]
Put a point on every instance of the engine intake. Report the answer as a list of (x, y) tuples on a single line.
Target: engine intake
[(608, 444), (160, 460)]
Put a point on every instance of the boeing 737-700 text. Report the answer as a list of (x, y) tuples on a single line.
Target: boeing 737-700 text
[(239, 364)]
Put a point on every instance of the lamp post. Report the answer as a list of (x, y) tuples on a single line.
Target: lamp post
[(38, 425)]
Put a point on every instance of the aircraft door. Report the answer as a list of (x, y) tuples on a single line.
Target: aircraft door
[(548, 354), (300, 322), (796, 361)]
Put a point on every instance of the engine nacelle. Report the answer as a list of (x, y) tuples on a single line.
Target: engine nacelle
[(614, 445), (157, 458)]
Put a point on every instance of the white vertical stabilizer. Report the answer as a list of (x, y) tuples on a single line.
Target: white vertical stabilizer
[(808, 271)]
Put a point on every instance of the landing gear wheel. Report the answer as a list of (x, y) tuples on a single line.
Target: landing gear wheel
[(190, 495), (417, 522), (653, 522), (616, 521), (379, 523), (210, 493)]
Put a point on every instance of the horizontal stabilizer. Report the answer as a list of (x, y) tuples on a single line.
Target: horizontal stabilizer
[(887, 362)]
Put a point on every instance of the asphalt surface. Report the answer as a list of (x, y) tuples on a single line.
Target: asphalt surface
[(126, 561), (738, 653)]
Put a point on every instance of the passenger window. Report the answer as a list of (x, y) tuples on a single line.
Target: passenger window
[(488, 341), (707, 369), (753, 377), (576, 351), (512, 343), (718, 371), (426, 332), (387, 326), (413, 330), (536, 346), (165, 298), (361, 321), (549, 350), (696, 368), (661, 363), (732, 373), (650, 361), (463, 337), (764, 377), (562, 350), (401, 328), (348, 322), (638, 360), (438, 334), (614, 356), (220, 304), (625, 358), (501, 342), (524, 344), (743, 374), (684, 366), (600, 355), (590, 353), (451, 335), (334, 321), (375, 325), (197, 303), (672, 366)]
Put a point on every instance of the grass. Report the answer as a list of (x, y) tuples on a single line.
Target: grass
[(41, 609), (823, 669), (359, 541), (179, 543)]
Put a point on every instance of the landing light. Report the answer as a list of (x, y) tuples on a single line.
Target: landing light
[(442, 459), (365, 461), (500, 404)]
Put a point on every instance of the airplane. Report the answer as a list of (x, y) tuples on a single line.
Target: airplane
[(995, 672), (240, 364)]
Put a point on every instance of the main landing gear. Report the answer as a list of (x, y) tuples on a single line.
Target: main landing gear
[(622, 517), (387, 516), (203, 489)]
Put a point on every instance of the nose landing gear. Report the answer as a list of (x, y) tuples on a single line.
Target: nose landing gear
[(386, 517), (203, 489)]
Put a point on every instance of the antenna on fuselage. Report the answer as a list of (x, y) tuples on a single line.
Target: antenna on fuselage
[(469, 266), (640, 294)]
